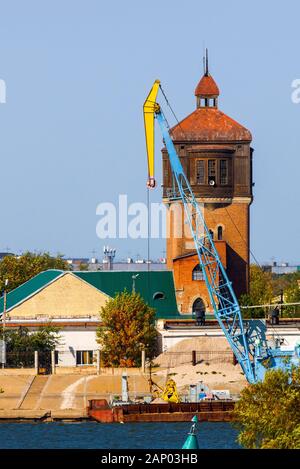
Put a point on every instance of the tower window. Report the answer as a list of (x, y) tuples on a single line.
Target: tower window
[(211, 170), (200, 172), (223, 172), (220, 233), (211, 234), (197, 273)]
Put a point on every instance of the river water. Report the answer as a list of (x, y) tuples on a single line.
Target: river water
[(88, 435)]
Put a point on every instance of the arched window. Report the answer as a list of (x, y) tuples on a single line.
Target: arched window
[(197, 273), (159, 296), (220, 233)]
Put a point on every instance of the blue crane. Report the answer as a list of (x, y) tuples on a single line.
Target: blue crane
[(253, 355)]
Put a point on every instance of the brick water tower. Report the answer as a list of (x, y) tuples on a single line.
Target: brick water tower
[(216, 155)]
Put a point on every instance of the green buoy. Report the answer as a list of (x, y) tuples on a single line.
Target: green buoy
[(191, 442)]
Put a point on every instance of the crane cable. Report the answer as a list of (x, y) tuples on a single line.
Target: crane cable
[(148, 228), (243, 239), (171, 109)]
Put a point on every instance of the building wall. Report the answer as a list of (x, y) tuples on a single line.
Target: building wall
[(234, 220), (170, 338), (68, 296), (83, 338), (187, 289)]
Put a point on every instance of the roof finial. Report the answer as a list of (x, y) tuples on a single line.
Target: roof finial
[(206, 73)]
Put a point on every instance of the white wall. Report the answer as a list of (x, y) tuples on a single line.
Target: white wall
[(73, 340), (291, 335)]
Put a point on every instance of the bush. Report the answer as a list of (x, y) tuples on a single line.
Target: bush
[(268, 412)]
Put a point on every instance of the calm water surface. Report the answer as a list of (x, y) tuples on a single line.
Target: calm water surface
[(104, 436)]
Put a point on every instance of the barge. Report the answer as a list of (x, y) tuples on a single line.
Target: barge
[(207, 411)]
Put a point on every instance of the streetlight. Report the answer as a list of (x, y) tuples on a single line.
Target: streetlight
[(133, 282)]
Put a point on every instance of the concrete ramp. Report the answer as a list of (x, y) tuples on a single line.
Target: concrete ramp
[(64, 393), (33, 395), (14, 389)]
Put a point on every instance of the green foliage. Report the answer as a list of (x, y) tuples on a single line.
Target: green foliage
[(20, 269), (127, 327), (21, 344), (283, 282), (261, 292), (268, 413), (292, 295), (264, 287)]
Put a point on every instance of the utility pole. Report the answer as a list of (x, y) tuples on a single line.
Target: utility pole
[(3, 324), (109, 255), (281, 302)]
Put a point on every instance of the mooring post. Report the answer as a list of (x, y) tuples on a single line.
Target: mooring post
[(98, 362), (194, 361), (36, 362), (53, 362), (124, 387)]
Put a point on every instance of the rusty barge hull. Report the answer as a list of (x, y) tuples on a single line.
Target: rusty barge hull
[(213, 411)]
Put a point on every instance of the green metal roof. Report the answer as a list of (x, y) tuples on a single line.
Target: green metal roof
[(29, 288), (110, 282), (146, 283)]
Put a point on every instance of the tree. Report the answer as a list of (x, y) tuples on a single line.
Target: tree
[(127, 327), (22, 268), (292, 295), (268, 413), (21, 344), (261, 292)]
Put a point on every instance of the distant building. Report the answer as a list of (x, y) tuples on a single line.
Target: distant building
[(107, 264), (73, 300), (281, 269), (5, 254), (76, 262), (128, 266)]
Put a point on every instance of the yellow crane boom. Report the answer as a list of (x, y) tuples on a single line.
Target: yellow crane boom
[(150, 107)]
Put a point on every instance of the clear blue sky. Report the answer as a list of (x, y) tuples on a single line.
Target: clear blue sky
[(71, 132)]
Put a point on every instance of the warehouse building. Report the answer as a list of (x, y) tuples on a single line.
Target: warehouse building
[(72, 301)]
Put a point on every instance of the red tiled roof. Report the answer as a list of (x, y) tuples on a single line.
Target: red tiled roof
[(207, 87), (208, 124)]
